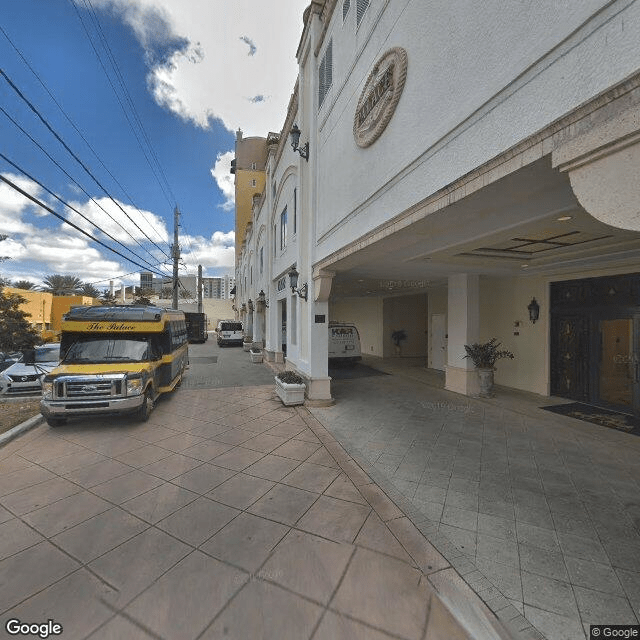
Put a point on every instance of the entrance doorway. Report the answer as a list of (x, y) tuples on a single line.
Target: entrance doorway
[(595, 341)]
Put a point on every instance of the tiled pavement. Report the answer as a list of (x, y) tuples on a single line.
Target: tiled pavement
[(224, 516), (546, 507)]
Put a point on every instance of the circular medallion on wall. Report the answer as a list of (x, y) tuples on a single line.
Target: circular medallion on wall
[(380, 96)]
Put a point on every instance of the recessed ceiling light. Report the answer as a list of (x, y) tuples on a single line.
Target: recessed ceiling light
[(564, 218)]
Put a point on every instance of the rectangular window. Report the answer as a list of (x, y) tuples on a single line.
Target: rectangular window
[(294, 321), (261, 260), (253, 183), (346, 5), (254, 166), (283, 229), (295, 210), (325, 77), (275, 235), (361, 7)]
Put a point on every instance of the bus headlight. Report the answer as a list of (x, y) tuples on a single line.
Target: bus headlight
[(134, 386), (47, 390)]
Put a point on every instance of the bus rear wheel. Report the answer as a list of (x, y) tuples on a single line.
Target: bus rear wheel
[(146, 407), (56, 422)]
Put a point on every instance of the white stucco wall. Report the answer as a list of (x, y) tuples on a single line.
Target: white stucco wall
[(480, 79)]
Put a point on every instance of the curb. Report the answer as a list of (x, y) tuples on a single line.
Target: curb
[(7, 436)]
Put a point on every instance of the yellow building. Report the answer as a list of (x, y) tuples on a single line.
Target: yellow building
[(46, 310), (249, 169), (38, 306), (62, 304)]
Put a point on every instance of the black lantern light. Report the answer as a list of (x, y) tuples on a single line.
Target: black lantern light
[(534, 310), (295, 140), (293, 283)]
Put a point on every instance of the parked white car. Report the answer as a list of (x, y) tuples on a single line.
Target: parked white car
[(25, 378)]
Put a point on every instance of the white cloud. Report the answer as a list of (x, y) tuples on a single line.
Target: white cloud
[(198, 63), (212, 253), (225, 179), (124, 222), (14, 205)]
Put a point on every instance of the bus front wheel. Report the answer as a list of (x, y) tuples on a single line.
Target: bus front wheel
[(147, 406)]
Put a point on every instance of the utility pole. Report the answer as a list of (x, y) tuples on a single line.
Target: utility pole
[(199, 288), (175, 254)]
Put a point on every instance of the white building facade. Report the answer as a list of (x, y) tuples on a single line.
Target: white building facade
[(466, 164)]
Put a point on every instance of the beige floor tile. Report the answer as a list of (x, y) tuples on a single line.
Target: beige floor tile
[(337, 627), (241, 491), (335, 519), (16, 536), (263, 611), (171, 467), (39, 495), (323, 457), (118, 628), (308, 565), (127, 486), (178, 443), (22, 478), (284, 504), (76, 602), (198, 521), (31, 570), (237, 458), (99, 534), (145, 455), (264, 442), (379, 500), (235, 436), (344, 489), (66, 513), (312, 477), (272, 467), (246, 541), (97, 473), (297, 449), (182, 614), (203, 478), (385, 593), (160, 502), (138, 562), (376, 535), (207, 450)]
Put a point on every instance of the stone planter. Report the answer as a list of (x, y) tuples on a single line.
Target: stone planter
[(246, 346), (255, 357), (290, 394), (486, 382)]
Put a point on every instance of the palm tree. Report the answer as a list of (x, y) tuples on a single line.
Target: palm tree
[(107, 298), (88, 289), (60, 285), (27, 285)]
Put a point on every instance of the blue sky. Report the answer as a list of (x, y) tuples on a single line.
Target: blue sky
[(195, 70)]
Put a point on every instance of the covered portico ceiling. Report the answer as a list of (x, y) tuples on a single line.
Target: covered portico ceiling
[(526, 223)]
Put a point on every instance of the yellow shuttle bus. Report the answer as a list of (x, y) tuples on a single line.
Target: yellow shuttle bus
[(115, 360)]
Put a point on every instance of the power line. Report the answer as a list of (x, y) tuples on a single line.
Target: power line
[(71, 224), (64, 144), (72, 123), (50, 192), (122, 106), (54, 161)]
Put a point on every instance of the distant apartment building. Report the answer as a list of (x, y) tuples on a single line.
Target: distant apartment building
[(218, 287)]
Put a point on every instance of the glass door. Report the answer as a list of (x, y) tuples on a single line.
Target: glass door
[(619, 363)]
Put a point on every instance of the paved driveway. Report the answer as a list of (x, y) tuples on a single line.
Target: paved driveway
[(546, 507), (226, 515)]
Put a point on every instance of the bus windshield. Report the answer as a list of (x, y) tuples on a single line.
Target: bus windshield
[(109, 349)]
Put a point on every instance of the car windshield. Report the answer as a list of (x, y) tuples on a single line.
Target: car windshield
[(48, 353), (231, 326), (108, 350)]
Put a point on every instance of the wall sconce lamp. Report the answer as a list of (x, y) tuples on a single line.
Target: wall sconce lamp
[(250, 304), (534, 310), (295, 139), (293, 283), (262, 299)]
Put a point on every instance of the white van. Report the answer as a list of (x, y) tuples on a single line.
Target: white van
[(229, 332), (344, 343)]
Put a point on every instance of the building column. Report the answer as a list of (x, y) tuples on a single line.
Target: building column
[(250, 312), (463, 327), (317, 328)]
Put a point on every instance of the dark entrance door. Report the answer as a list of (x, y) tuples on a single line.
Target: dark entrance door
[(595, 341)]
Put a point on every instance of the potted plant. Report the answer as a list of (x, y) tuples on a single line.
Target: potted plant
[(290, 388), (247, 341), (484, 356), (255, 354), (398, 337)]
